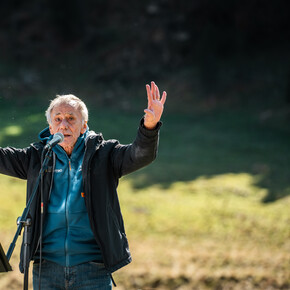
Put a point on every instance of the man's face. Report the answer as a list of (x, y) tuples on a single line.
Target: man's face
[(68, 121)]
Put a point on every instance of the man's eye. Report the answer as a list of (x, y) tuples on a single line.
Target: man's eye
[(57, 119)]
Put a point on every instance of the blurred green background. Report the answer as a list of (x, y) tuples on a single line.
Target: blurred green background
[(212, 212)]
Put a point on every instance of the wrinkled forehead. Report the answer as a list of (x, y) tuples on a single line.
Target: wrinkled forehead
[(65, 109)]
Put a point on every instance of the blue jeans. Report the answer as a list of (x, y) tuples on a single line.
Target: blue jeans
[(87, 276)]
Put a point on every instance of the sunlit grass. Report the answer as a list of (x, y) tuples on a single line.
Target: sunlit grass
[(205, 229), (223, 206), (12, 196)]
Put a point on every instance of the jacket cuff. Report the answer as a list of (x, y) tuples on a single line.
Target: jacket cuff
[(149, 132)]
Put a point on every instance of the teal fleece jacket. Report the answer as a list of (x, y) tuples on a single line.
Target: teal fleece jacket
[(67, 236)]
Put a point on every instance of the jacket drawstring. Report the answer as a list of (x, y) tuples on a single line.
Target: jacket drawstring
[(115, 285)]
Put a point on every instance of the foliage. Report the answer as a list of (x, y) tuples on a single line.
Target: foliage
[(167, 27)]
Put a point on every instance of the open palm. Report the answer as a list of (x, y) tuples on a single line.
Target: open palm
[(155, 107)]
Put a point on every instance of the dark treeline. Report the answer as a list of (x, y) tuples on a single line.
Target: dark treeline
[(165, 27), (128, 40)]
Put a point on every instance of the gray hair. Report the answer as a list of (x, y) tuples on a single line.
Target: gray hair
[(71, 100)]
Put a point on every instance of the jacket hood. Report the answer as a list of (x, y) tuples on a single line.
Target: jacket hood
[(44, 135)]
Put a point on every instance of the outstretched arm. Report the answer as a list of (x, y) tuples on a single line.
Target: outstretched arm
[(129, 158), (155, 107), (14, 162)]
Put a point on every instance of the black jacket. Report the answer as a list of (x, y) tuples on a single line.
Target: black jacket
[(104, 163)]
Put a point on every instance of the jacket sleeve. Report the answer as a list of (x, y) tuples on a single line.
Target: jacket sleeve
[(129, 158), (14, 162)]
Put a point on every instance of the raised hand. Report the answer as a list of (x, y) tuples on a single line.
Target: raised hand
[(155, 107)]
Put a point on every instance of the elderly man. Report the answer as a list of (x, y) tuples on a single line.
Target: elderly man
[(82, 240)]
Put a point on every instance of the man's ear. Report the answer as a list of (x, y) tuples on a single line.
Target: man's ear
[(84, 128)]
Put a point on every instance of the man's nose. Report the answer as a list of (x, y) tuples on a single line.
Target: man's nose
[(63, 124)]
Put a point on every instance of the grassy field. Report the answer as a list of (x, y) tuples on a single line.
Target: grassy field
[(212, 212)]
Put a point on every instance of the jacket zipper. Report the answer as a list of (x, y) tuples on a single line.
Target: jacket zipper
[(53, 167), (67, 215)]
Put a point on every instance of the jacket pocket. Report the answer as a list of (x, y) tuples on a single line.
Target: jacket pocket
[(113, 220), (118, 226)]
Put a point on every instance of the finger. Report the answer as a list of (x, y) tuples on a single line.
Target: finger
[(163, 99), (149, 95), (153, 90), (157, 93)]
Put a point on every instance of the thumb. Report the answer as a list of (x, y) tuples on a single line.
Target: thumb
[(149, 113)]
